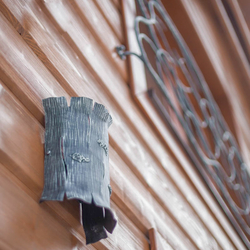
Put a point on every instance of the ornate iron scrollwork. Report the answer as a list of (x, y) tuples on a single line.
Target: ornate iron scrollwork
[(210, 144)]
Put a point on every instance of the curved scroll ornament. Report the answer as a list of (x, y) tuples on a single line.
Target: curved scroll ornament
[(210, 144)]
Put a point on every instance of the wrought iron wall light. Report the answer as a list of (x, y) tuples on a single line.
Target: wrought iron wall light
[(76, 164), (189, 98)]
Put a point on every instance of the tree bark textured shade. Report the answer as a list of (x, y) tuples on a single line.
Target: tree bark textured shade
[(76, 160)]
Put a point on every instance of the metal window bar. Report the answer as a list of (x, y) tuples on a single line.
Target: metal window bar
[(221, 165)]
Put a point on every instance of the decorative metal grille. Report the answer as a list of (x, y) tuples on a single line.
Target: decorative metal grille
[(208, 140)]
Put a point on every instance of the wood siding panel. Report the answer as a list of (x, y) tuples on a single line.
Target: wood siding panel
[(117, 3), (157, 242), (57, 48), (26, 127), (138, 85), (89, 14), (140, 206), (25, 224), (125, 235), (23, 73), (37, 136), (139, 164), (112, 15)]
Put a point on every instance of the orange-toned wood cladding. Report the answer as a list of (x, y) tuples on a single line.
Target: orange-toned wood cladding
[(21, 152), (136, 162), (138, 86), (157, 242), (58, 48)]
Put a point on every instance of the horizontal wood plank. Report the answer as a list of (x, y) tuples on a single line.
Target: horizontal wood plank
[(157, 242), (136, 201), (117, 3), (98, 26), (25, 224), (137, 160), (64, 24), (125, 235), (125, 231), (112, 15), (240, 23), (229, 65), (81, 39), (23, 67), (137, 80), (132, 193)]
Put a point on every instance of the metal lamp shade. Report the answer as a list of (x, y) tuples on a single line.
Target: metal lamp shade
[(76, 162)]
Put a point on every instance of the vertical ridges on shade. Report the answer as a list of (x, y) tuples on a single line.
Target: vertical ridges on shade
[(55, 103), (82, 104), (88, 104), (109, 120), (102, 112), (76, 166), (99, 110)]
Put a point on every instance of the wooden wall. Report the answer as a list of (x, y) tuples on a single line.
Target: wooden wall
[(67, 48)]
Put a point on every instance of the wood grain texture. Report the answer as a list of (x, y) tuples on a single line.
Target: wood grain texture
[(245, 8), (136, 158), (112, 15), (57, 16), (19, 64), (137, 78), (52, 48), (235, 14), (125, 230), (126, 235), (137, 82), (117, 4), (26, 147), (98, 26), (25, 224), (140, 206), (40, 146), (237, 64), (157, 242), (228, 60)]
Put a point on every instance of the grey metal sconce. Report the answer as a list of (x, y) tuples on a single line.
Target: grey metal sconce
[(76, 160)]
